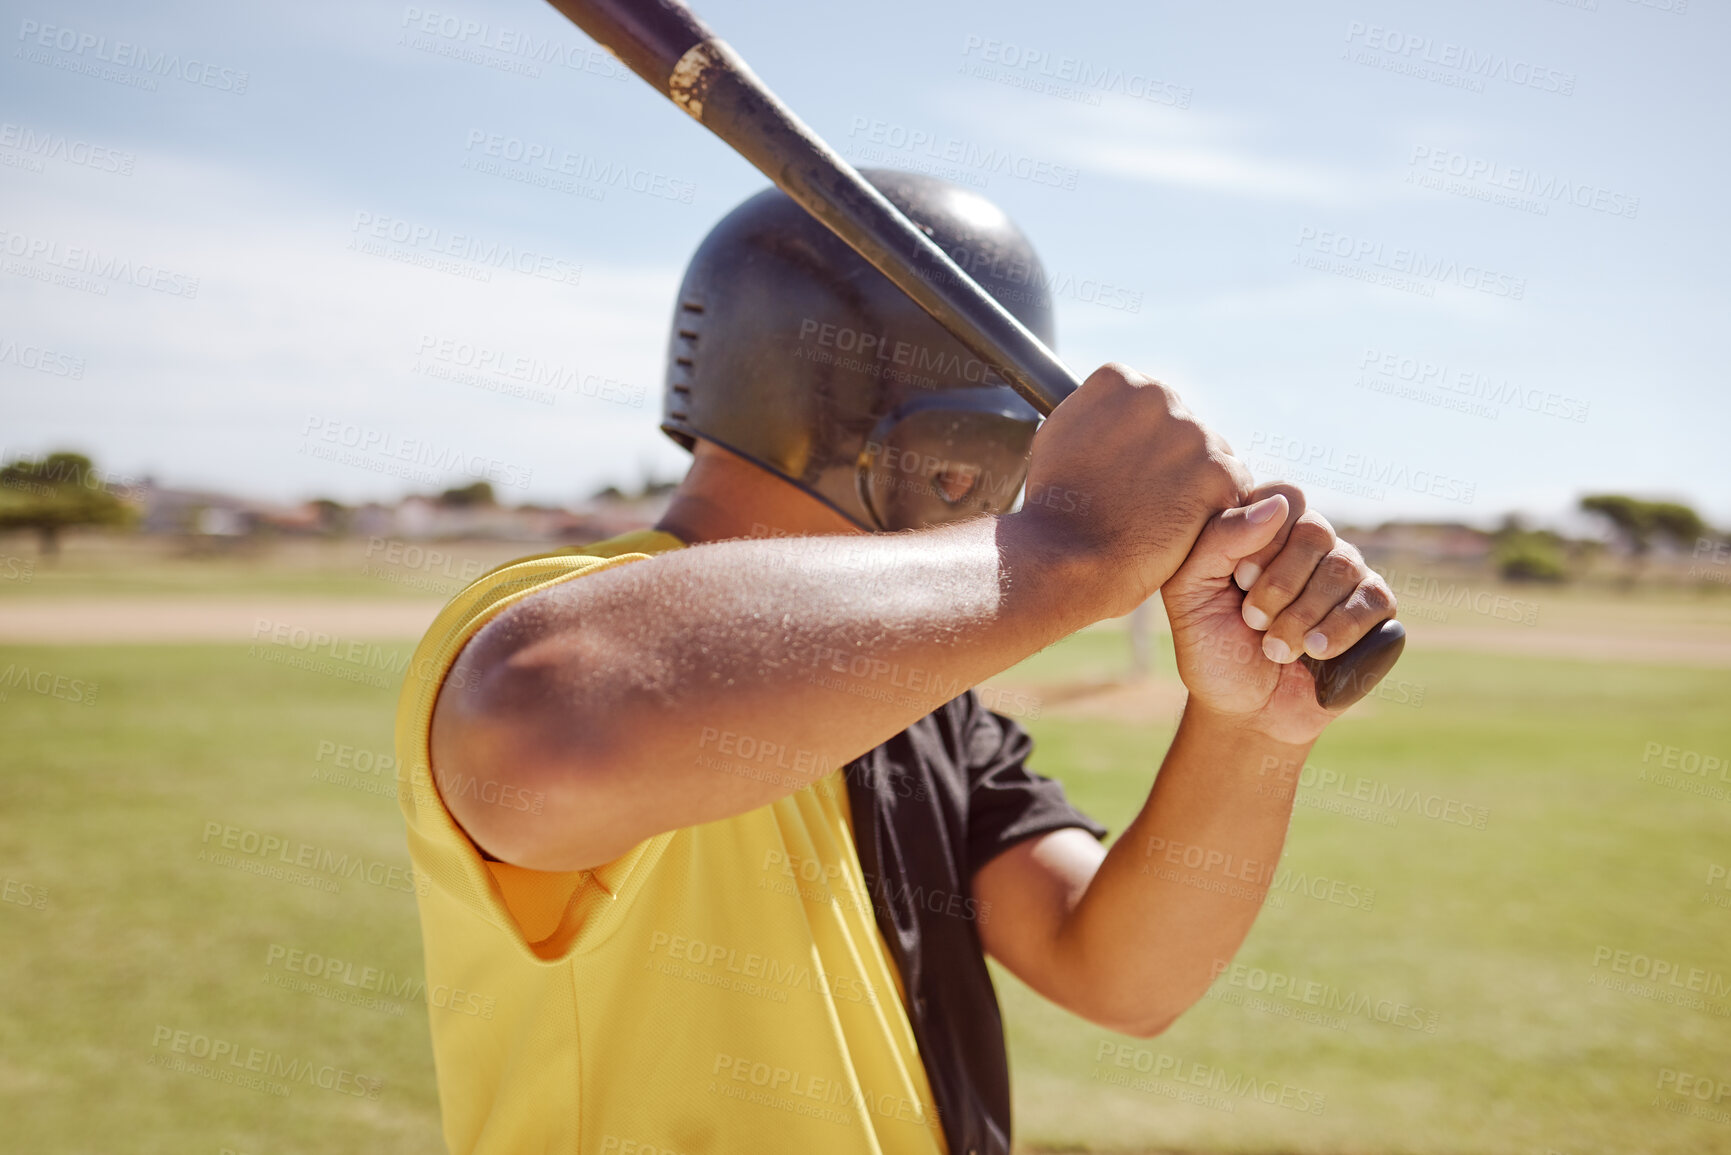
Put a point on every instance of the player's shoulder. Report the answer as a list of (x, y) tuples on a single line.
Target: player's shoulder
[(637, 541)]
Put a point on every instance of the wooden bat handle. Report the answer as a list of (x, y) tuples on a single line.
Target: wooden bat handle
[(1345, 678), (669, 47), (665, 44)]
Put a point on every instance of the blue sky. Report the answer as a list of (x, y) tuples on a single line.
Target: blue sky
[(1429, 260)]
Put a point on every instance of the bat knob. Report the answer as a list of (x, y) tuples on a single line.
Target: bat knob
[(1345, 678)]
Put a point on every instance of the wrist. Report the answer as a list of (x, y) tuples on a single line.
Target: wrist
[(1048, 551), (1248, 731), (1046, 562)]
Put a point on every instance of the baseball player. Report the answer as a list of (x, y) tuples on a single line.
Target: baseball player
[(716, 833)]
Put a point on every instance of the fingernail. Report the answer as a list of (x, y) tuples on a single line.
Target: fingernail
[(1276, 650), (1246, 574), (1316, 643), (1255, 618), (1263, 510)]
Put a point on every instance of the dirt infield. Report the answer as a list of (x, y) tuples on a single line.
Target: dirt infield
[(155, 619), (141, 620), (1706, 647)]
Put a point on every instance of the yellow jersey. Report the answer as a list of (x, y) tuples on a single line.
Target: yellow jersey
[(722, 987)]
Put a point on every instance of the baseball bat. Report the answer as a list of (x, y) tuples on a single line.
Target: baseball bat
[(665, 43)]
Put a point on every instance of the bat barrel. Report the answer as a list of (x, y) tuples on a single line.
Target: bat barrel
[(648, 38), (668, 46), (718, 88)]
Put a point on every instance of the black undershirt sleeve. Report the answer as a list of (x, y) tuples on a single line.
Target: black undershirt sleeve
[(1008, 802), (930, 807)]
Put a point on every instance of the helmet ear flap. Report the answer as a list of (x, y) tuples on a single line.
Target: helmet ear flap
[(791, 351), (682, 366), (942, 457)]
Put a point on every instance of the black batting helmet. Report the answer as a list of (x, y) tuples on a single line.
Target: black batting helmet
[(791, 351)]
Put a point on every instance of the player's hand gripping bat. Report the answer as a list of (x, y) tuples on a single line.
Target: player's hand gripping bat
[(664, 43)]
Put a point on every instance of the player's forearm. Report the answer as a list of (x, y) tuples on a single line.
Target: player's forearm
[(712, 680), (1178, 892)]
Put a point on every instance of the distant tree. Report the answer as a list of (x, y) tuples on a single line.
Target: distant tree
[(60, 491), (334, 516), (650, 487), (1677, 522), (478, 493), (1531, 556), (1639, 523)]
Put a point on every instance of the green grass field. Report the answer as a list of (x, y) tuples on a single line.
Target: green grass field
[(122, 928)]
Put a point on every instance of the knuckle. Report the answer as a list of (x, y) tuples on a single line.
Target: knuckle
[(1222, 483), (1279, 586), (1242, 479), (1377, 597), (1185, 430), (1113, 373), (1294, 495), (1339, 569), (1311, 534)]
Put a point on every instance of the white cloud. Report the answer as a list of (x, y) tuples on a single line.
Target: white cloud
[(289, 323), (1158, 145)]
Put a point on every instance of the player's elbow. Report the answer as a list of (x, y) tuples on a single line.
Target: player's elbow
[(1146, 1028), (522, 768), (1139, 1021), (1140, 1009)]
